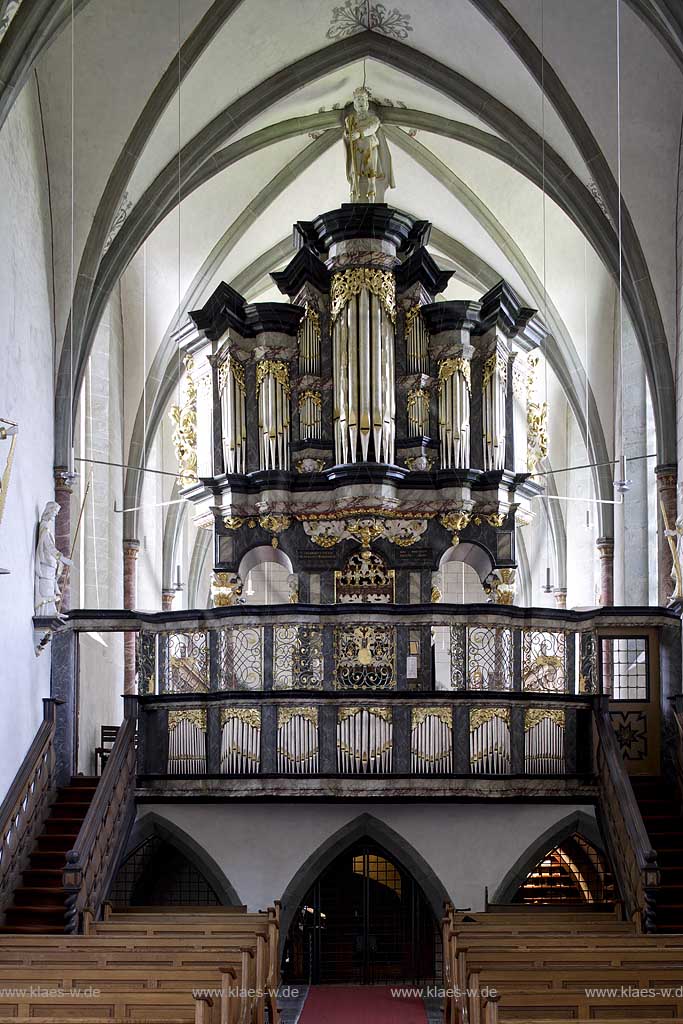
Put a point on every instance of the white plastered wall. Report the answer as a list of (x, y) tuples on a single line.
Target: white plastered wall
[(460, 842), (26, 344)]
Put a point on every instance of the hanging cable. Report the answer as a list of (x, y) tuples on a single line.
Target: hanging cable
[(547, 588), (621, 485), (73, 249)]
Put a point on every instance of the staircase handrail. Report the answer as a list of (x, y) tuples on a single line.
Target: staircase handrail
[(634, 860), (27, 803), (91, 863)]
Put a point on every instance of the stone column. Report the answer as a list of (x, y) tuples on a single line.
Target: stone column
[(130, 557), (560, 597), (167, 597), (606, 548), (666, 499), (63, 491)]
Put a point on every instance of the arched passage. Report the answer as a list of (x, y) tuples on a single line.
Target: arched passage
[(364, 920), (365, 829)]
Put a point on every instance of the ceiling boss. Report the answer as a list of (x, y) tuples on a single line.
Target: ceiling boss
[(368, 160)]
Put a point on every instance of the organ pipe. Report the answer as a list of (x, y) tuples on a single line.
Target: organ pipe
[(310, 415), (233, 415), (418, 412), (494, 388), (454, 412), (417, 342), (309, 343), (363, 312), (273, 391)]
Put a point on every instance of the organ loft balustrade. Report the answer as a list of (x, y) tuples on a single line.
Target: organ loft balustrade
[(302, 700)]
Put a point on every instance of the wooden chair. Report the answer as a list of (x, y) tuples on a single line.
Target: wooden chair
[(108, 735)]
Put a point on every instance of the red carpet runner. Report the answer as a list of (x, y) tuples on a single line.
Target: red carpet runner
[(362, 1004)]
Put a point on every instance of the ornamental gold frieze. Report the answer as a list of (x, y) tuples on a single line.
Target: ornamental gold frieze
[(193, 716), (285, 715), (379, 712), (275, 368), (248, 716), (456, 364), (421, 715), (349, 283), (311, 396), (534, 716), (480, 716), (275, 523), (402, 532)]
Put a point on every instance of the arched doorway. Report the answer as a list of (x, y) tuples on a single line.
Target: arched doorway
[(365, 920)]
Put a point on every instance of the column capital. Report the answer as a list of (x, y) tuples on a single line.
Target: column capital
[(131, 546), (666, 469), (64, 479), (605, 544)]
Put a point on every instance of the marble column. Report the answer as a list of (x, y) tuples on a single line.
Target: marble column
[(167, 598), (666, 499), (63, 490), (606, 548), (130, 558)]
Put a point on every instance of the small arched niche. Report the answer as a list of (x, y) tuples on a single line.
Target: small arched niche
[(267, 576)]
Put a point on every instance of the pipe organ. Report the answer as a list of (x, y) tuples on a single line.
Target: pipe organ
[(355, 392)]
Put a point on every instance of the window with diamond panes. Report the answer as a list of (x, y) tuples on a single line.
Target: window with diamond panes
[(626, 668)]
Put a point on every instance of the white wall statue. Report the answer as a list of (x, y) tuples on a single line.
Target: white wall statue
[(50, 565)]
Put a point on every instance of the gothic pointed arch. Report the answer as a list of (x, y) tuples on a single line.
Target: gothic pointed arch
[(365, 826), (152, 834), (578, 822)]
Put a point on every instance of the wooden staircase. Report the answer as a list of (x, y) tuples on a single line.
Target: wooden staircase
[(660, 806), (39, 900)]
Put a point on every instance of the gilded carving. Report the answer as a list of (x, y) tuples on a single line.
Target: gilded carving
[(533, 716), (184, 418), (285, 715), (479, 716), (278, 369), (537, 420), (226, 589), (444, 715), (250, 716), (275, 523), (195, 716), (502, 586), (380, 283), (456, 364), (378, 711), (312, 396)]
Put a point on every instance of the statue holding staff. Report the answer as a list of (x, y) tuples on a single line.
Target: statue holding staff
[(368, 160)]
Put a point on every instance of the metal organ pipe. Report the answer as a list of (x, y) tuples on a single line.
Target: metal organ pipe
[(363, 311), (233, 415), (454, 412), (273, 390), (494, 388)]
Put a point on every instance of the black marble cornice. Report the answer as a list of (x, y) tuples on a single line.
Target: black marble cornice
[(227, 308), (362, 220), (421, 268), (453, 315), (501, 307), (305, 268)]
